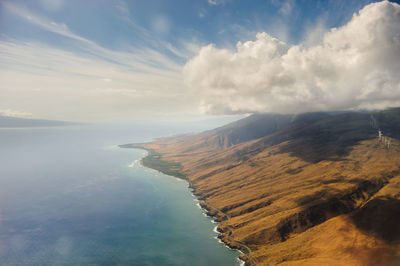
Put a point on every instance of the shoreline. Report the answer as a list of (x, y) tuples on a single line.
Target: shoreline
[(199, 203)]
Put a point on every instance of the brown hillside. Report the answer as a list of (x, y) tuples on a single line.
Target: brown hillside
[(292, 201)]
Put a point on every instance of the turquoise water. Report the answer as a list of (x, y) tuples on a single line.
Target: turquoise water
[(70, 196)]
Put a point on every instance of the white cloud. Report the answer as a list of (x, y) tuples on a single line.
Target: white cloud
[(354, 66), (315, 32)]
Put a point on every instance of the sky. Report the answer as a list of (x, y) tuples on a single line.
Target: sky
[(120, 60)]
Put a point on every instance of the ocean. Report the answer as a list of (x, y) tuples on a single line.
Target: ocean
[(70, 196)]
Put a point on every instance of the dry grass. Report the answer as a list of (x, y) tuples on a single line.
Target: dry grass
[(294, 212)]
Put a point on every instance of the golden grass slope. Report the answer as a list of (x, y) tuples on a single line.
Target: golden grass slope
[(292, 212)]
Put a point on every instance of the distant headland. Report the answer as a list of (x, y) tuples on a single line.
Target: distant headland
[(17, 122)]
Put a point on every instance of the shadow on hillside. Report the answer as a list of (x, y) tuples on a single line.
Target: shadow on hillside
[(327, 141), (380, 217), (328, 203), (331, 138), (312, 137), (313, 151)]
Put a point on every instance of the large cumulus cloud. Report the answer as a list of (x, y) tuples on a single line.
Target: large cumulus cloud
[(354, 66)]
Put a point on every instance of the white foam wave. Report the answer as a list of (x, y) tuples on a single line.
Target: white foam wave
[(134, 163), (240, 262), (220, 241)]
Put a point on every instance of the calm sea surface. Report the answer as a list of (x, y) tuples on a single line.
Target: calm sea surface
[(70, 196)]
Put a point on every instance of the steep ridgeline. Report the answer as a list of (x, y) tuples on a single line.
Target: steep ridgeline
[(311, 189)]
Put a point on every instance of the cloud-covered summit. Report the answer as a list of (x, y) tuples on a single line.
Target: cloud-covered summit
[(354, 66)]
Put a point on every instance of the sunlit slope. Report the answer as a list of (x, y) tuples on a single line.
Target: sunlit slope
[(315, 189)]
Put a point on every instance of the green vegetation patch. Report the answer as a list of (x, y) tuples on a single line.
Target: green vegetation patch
[(154, 160)]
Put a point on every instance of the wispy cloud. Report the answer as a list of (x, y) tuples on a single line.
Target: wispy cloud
[(286, 7), (98, 86), (216, 2), (58, 28), (152, 41), (122, 6), (98, 80), (202, 13)]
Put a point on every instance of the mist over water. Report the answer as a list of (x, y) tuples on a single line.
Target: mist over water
[(70, 196)]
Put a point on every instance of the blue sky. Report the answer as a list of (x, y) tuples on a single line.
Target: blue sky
[(114, 59), (112, 23)]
